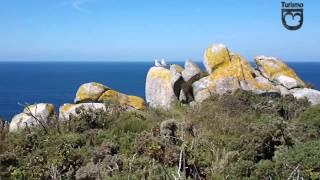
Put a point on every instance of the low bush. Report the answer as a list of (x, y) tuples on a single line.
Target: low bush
[(242, 136)]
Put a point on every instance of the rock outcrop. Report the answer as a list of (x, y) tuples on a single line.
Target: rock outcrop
[(95, 96), (32, 115), (227, 73), (168, 85)]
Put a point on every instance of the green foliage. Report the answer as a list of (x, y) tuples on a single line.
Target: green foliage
[(311, 116), (301, 160), (264, 169), (241, 168), (243, 136)]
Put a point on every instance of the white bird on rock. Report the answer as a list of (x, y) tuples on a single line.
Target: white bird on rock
[(156, 63), (163, 62)]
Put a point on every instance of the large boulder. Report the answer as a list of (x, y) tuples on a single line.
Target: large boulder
[(32, 115), (66, 111), (214, 56), (89, 92), (122, 99), (312, 95), (278, 72), (190, 70), (159, 90), (96, 93)]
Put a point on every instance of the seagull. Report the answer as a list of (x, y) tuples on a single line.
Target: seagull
[(163, 62), (156, 63)]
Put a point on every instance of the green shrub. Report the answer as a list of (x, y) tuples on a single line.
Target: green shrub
[(130, 122), (264, 169), (242, 136), (302, 160), (311, 116), (240, 169)]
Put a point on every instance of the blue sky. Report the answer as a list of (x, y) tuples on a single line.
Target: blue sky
[(141, 30)]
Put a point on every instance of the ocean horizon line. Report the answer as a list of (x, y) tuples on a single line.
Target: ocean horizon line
[(128, 61)]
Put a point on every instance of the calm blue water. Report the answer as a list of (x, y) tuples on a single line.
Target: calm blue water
[(57, 82)]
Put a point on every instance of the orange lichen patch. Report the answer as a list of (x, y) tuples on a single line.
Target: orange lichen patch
[(136, 102), (273, 67), (122, 99), (216, 56), (159, 72), (109, 95)]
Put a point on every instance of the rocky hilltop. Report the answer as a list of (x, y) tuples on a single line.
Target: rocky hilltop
[(226, 72)]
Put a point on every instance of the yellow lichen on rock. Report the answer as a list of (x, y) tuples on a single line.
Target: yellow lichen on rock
[(229, 72), (246, 74), (161, 73), (216, 56), (66, 107), (226, 76), (226, 70), (109, 95), (273, 68), (136, 102), (89, 92), (159, 87), (122, 99)]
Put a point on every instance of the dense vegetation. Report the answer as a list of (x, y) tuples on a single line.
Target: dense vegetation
[(244, 136)]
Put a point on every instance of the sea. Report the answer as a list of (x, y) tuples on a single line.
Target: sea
[(57, 82)]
